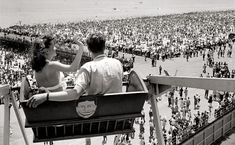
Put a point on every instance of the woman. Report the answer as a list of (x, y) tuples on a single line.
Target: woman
[(48, 73)]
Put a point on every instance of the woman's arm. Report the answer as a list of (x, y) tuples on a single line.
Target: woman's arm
[(75, 64)]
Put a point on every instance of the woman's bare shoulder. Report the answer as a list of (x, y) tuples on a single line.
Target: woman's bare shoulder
[(53, 64)]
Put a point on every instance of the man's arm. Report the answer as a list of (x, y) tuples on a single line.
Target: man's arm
[(67, 95)]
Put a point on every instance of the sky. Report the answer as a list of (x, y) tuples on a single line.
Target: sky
[(40, 11)]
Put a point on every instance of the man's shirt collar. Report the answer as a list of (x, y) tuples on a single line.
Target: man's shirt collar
[(100, 56)]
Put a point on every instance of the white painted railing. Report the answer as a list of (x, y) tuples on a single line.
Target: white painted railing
[(213, 131)]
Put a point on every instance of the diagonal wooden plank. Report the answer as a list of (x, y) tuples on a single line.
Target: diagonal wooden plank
[(4, 90), (220, 84), (164, 88)]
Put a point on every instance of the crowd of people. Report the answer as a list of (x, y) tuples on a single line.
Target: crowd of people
[(159, 38), (13, 66), (166, 36)]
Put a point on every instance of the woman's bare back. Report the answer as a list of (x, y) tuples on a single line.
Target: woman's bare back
[(48, 77)]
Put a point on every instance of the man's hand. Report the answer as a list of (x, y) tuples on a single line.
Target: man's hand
[(36, 100)]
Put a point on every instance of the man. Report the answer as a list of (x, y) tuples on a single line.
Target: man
[(100, 76), (204, 68), (133, 57), (160, 70), (181, 92), (186, 92), (203, 56), (145, 56), (164, 123)]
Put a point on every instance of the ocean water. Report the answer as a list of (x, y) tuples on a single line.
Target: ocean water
[(40, 11)]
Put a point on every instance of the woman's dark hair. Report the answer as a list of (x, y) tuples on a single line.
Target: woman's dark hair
[(96, 42), (38, 56)]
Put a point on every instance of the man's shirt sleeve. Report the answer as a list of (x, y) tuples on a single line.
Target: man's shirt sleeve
[(82, 79)]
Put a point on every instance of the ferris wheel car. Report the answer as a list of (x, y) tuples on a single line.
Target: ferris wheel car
[(93, 115)]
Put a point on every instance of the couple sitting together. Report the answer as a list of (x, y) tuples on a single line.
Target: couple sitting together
[(99, 76)]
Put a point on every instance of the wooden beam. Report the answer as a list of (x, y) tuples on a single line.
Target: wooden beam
[(220, 84), (19, 118), (163, 89), (4, 90), (6, 131), (156, 118)]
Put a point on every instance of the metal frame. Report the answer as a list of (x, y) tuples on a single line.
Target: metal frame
[(5, 91), (165, 83)]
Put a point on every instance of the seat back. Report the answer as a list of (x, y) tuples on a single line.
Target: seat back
[(91, 106), (135, 83), (87, 107), (25, 90)]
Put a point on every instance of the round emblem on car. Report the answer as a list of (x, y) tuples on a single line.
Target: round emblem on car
[(86, 109)]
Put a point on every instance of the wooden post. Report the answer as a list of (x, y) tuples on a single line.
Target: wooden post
[(233, 118), (156, 116), (4, 90), (19, 118)]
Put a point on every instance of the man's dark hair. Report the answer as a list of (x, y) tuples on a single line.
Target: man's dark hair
[(96, 42)]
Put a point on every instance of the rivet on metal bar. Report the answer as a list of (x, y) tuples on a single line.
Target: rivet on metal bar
[(106, 128), (99, 127), (64, 129), (55, 130), (90, 126), (124, 121), (73, 128), (46, 131), (115, 125), (82, 128), (36, 128)]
